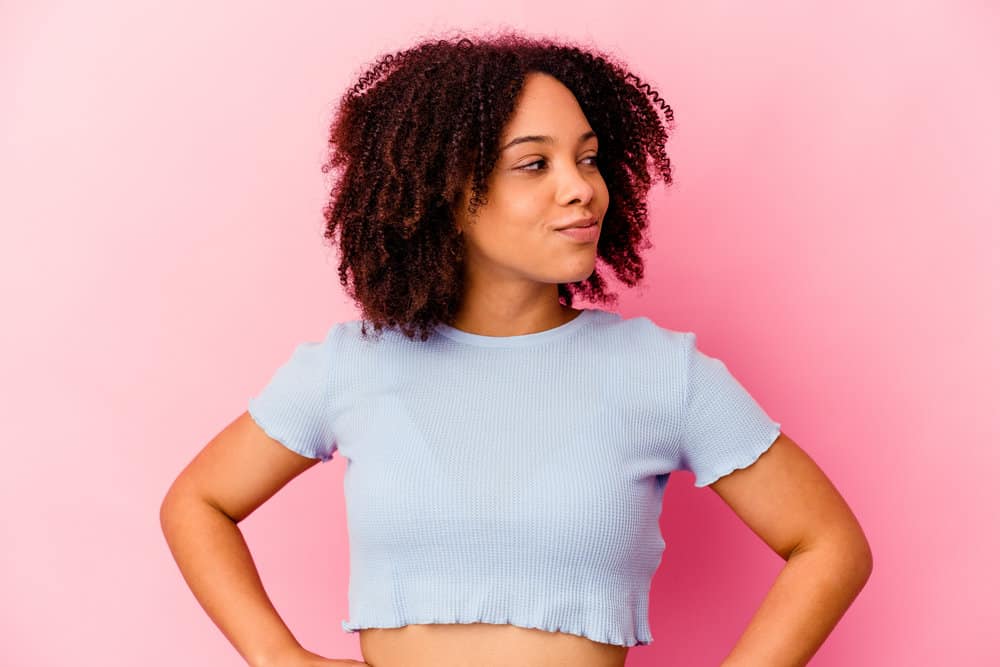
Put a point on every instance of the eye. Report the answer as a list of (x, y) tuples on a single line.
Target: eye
[(524, 167)]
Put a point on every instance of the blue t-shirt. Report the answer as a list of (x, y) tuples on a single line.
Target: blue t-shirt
[(513, 479)]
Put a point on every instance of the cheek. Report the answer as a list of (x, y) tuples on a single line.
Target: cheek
[(504, 232), (517, 217), (601, 192)]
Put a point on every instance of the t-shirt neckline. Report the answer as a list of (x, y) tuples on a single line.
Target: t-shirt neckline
[(517, 341)]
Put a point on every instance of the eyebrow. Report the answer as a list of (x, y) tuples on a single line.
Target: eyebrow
[(543, 138)]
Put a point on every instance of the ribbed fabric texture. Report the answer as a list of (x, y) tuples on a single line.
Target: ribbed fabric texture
[(512, 479)]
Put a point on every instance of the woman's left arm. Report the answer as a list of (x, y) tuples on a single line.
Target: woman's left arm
[(787, 500)]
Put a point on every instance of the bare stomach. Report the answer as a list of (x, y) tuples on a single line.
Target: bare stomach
[(483, 645)]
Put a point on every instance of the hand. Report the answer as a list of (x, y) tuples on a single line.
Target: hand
[(303, 658)]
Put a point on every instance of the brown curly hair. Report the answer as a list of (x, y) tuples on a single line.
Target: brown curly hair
[(421, 124)]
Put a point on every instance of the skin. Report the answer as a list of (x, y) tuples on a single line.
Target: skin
[(514, 259), (515, 262), (787, 500)]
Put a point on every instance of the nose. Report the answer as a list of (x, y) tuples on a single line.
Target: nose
[(575, 188)]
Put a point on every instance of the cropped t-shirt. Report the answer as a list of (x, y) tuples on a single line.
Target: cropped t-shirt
[(513, 479)]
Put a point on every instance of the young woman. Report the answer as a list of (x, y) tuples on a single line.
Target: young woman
[(506, 452)]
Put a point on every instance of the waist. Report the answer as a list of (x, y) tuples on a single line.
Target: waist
[(483, 645)]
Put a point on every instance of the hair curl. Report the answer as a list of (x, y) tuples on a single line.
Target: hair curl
[(422, 123)]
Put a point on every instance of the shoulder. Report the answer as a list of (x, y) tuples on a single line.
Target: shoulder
[(642, 350), (646, 331)]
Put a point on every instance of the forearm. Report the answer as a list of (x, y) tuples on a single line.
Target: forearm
[(810, 595), (216, 564)]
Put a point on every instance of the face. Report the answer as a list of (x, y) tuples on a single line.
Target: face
[(537, 185)]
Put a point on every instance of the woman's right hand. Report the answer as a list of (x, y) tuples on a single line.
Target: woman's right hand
[(303, 658)]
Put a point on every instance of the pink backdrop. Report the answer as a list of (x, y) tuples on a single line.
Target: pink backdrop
[(829, 236)]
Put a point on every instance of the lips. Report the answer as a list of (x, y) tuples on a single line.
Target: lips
[(579, 222), (584, 233)]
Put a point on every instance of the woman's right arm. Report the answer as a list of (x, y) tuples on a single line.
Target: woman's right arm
[(233, 475)]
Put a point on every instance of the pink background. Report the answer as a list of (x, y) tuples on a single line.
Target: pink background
[(832, 235)]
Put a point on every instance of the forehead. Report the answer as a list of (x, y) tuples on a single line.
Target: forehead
[(546, 106)]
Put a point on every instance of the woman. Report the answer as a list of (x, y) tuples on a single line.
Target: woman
[(507, 453)]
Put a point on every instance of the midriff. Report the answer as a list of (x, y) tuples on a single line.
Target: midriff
[(483, 645)]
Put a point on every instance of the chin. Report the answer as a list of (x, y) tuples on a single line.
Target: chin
[(576, 276)]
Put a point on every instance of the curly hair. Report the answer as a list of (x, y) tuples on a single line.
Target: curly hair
[(421, 124)]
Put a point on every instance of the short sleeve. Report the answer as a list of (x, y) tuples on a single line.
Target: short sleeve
[(294, 406), (724, 427)]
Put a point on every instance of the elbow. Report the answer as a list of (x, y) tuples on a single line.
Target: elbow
[(865, 561), (169, 502), (856, 561), (168, 507), (175, 508), (850, 555), (856, 554)]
